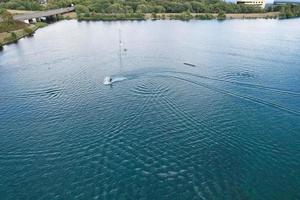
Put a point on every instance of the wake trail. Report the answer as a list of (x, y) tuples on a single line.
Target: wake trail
[(240, 83), (251, 99)]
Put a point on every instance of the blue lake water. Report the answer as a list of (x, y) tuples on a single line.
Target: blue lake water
[(227, 128)]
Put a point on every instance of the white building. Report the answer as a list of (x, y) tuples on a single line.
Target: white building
[(261, 3), (43, 1)]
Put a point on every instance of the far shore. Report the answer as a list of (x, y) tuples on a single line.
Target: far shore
[(228, 16), (173, 16), (13, 36), (167, 16)]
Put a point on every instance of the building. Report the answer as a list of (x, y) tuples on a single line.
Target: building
[(43, 1), (261, 3)]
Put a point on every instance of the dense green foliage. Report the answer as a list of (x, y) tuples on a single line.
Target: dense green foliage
[(136, 9), (136, 6), (182, 9), (286, 11), (221, 16), (28, 30), (6, 16), (41, 24), (204, 17), (4, 27), (1, 11), (182, 16), (7, 22), (165, 6), (110, 17), (21, 5), (289, 11)]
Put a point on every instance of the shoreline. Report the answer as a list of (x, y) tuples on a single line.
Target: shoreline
[(11, 37), (171, 16), (267, 15)]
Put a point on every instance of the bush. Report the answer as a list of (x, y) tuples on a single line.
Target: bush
[(22, 5), (2, 11), (221, 16), (115, 8), (182, 16), (12, 37), (288, 11), (28, 30), (113, 17), (7, 17), (153, 15), (198, 7), (153, 6), (144, 9), (41, 24), (81, 9), (204, 17), (159, 9), (6, 27)]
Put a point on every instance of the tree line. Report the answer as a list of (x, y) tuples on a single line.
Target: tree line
[(287, 11), (135, 6)]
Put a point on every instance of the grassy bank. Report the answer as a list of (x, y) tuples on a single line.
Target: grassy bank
[(208, 16), (6, 27), (111, 17), (12, 36), (175, 16)]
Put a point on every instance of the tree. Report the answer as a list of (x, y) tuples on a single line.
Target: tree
[(99, 6), (144, 9), (7, 17), (198, 7), (1, 11), (115, 8), (221, 16), (159, 9), (81, 9)]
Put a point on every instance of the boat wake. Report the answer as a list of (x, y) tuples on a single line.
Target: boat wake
[(118, 79), (176, 75), (248, 98), (243, 84), (110, 80)]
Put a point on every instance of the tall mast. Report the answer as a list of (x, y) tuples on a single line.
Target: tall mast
[(120, 38), (120, 48)]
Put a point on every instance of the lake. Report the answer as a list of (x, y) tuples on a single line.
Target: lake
[(225, 125)]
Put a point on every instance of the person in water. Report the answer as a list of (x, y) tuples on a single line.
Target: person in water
[(110, 79)]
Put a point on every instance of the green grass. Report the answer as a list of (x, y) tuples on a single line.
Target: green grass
[(41, 24), (14, 36), (6, 27)]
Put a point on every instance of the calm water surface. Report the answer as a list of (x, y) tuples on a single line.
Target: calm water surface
[(227, 128)]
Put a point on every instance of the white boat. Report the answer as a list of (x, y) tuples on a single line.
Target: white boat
[(107, 80)]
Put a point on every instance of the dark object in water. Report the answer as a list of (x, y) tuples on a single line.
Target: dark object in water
[(245, 74), (189, 64)]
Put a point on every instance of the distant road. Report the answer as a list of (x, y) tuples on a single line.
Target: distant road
[(39, 14)]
